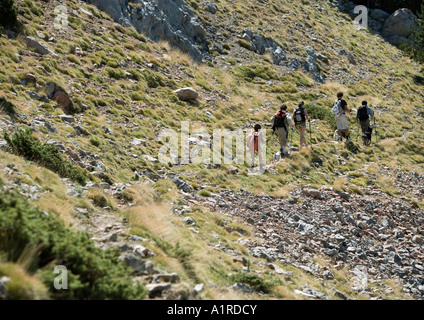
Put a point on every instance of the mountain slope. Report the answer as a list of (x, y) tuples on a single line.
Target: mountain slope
[(309, 224)]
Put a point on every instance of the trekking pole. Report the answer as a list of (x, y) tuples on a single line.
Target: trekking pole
[(310, 133)]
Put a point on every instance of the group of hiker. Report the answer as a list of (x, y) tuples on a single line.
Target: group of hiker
[(282, 124)]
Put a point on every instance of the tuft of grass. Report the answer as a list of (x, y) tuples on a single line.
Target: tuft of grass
[(204, 193), (99, 199), (250, 72), (244, 44), (115, 73), (22, 286)]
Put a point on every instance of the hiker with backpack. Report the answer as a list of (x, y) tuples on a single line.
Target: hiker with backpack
[(255, 141), (340, 110), (363, 115), (300, 116), (281, 124)]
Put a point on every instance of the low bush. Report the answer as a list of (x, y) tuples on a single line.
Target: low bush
[(253, 280), (316, 112), (92, 272), (23, 144)]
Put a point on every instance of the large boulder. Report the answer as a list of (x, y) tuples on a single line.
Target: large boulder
[(379, 15), (39, 47), (186, 94), (377, 18), (398, 27), (58, 94)]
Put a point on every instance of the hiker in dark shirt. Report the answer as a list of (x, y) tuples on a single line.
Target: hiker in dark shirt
[(363, 115), (300, 116), (281, 125)]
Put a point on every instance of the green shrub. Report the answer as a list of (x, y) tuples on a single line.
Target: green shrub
[(113, 63), (316, 112), (23, 144), (302, 80), (286, 87), (8, 14), (92, 272), (253, 280)]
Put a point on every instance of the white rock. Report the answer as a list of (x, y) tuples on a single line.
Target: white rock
[(186, 94)]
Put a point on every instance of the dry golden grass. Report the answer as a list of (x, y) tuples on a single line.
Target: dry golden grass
[(397, 288), (228, 294), (285, 293), (61, 207), (386, 185), (22, 286), (333, 87), (177, 56), (239, 100), (157, 220), (283, 192), (100, 198), (141, 194), (226, 79), (340, 184), (267, 57)]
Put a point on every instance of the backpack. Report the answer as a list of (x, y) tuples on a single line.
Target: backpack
[(363, 114), (337, 107), (254, 141), (299, 115), (279, 120)]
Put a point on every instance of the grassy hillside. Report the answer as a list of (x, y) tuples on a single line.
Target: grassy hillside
[(122, 84)]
